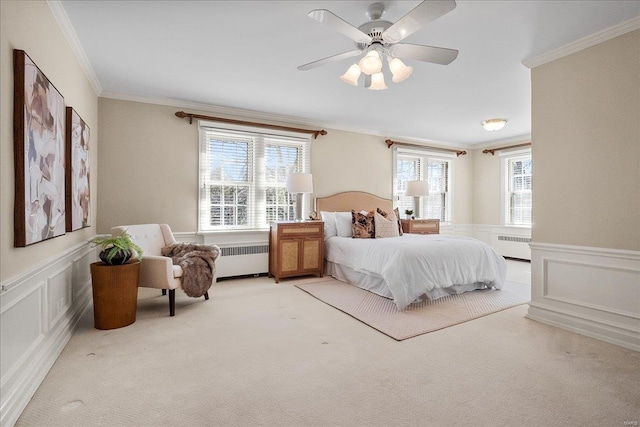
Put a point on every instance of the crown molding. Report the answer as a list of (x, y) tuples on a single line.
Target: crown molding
[(70, 34), (583, 43), (270, 117)]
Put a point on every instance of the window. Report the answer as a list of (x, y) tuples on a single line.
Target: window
[(243, 175), (411, 165), (517, 185)]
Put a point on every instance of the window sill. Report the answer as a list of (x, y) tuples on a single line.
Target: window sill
[(528, 227), (233, 231)]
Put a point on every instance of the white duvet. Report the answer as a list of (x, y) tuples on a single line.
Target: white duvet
[(414, 265)]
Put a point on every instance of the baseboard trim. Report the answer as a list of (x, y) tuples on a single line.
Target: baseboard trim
[(613, 334)]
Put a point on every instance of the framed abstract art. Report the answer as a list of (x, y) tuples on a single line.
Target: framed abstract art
[(39, 152), (78, 200)]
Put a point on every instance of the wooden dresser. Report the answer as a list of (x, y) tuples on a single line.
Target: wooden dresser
[(296, 249), (421, 226)]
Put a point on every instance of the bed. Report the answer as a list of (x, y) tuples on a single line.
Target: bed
[(407, 268)]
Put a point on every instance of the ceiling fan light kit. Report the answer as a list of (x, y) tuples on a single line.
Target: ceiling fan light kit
[(377, 82), (493, 125), (352, 75), (371, 63), (399, 70), (378, 38)]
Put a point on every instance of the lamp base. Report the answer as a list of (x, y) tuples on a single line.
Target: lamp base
[(299, 217), (417, 202)]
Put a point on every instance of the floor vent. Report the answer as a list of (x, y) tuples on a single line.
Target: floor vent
[(244, 250), (515, 239)]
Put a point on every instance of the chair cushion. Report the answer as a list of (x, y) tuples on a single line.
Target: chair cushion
[(177, 271)]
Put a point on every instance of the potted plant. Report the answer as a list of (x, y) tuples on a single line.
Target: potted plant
[(115, 281), (408, 212), (117, 250)]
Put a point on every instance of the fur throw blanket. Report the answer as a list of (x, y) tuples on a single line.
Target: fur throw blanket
[(198, 265)]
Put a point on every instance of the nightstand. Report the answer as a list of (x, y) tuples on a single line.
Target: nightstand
[(296, 249), (421, 226)]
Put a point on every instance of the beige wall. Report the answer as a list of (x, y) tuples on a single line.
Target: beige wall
[(30, 26), (148, 167), (463, 188), (342, 161), (486, 184), (586, 147)]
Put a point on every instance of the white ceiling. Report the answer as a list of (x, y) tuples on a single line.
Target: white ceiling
[(244, 54)]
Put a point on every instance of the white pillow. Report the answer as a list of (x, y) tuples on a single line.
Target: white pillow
[(329, 219), (386, 227), (343, 224)]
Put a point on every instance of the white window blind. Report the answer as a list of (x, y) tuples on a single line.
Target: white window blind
[(243, 175), (517, 188), (415, 164)]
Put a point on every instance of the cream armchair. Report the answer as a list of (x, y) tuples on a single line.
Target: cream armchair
[(156, 271)]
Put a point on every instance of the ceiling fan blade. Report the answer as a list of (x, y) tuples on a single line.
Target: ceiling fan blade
[(437, 55), (329, 19), (420, 16), (329, 60)]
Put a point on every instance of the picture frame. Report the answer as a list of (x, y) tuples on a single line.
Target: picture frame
[(39, 154), (77, 161)]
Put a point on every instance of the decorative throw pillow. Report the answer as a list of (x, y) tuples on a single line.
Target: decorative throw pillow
[(363, 225), (386, 227), (397, 214)]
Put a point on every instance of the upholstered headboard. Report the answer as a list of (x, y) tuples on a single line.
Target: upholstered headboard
[(348, 200)]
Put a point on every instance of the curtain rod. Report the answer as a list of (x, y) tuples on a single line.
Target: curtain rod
[(458, 152), (493, 150), (191, 116)]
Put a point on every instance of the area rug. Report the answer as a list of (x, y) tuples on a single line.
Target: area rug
[(419, 318)]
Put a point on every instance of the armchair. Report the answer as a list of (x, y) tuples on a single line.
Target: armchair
[(156, 271)]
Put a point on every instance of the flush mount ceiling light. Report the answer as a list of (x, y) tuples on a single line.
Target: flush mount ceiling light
[(379, 38), (493, 124)]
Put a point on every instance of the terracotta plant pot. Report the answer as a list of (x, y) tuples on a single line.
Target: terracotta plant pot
[(115, 294)]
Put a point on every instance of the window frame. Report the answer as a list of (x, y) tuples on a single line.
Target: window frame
[(424, 157), (257, 199), (505, 186)]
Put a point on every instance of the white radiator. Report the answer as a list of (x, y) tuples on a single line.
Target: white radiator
[(512, 246), (242, 260)]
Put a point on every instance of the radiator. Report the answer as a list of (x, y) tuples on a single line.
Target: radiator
[(242, 260), (512, 246)]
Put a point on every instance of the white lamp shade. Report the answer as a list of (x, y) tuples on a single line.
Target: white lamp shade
[(300, 183), (377, 82), (352, 75), (493, 124), (371, 63), (417, 188), (399, 70)]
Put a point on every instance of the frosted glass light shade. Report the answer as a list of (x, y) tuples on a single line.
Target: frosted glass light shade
[(399, 70), (299, 183), (493, 124), (377, 82), (371, 63), (352, 75)]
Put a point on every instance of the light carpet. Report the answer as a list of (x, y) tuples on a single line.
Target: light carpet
[(421, 317)]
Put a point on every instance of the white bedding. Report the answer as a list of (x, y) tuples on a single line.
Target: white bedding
[(415, 266)]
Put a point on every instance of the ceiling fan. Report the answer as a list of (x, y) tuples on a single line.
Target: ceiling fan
[(378, 38)]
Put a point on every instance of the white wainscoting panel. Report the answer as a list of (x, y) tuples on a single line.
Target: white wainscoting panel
[(39, 311), (592, 291)]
